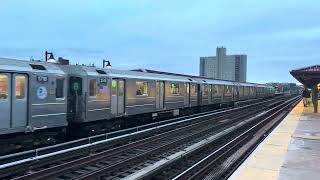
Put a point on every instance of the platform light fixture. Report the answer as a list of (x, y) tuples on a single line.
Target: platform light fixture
[(108, 66), (51, 57)]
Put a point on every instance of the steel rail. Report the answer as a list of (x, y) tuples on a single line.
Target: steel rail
[(199, 169), (45, 152), (14, 159), (168, 165), (108, 170), (62, 169), (182, 123)]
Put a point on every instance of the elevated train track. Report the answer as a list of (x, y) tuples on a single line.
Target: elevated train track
[(178, 121), (125, 155), (218, 161)]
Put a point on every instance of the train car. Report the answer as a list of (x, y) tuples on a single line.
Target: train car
[(88, 93), (32, 97), (96, 94), (170, 92), (155, 92), (78, 94), (53, 98)]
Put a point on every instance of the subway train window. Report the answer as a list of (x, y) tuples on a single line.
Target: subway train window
[(59, 88), (103, 89), (142, 88), (251, 90), (215, 90), (174, 88), (121, 88), (3, 86), (246, 91), (20, 86), (114, 88), (227, 90), (193, 89), (205, 90), (37, 67), (92, 87)]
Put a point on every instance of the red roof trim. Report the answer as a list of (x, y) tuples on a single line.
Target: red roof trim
[(315, 68)]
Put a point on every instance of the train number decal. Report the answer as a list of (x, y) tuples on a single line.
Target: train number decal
[(42, 79)]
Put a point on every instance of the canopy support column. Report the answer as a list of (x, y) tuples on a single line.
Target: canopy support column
[(310, 77), (315, 95)]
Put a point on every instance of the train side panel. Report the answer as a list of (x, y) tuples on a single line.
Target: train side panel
[(140, 96), (174, 95), (32, 96)]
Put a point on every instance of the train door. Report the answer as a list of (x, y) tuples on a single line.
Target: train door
[(19, 100), (187, 95), (117, 97), (199, 94), (214, 92), (75, 98), (13, 100), (5, 100), (209, 93), (235, 93), (160, 94)]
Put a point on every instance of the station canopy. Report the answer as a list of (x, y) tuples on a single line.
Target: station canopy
[(309, 76)]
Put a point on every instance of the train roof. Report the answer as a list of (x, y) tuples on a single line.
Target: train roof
[(13, 65), (152, 76), (247, 84), (7, 64), (199, 79), (135, 75), (211, 81), (148, 75)]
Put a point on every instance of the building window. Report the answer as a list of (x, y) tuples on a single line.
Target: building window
[(174, 88), (92, 87), (59, 88), (20, 87), (3, 86), (142, 88)]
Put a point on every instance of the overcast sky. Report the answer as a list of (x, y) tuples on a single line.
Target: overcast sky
[(167, 35)]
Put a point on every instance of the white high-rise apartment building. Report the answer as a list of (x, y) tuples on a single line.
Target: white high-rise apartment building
[(223, 66)]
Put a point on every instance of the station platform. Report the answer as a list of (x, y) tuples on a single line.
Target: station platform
[(290, 152)]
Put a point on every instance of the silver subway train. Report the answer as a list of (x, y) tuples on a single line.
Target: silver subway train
[(41, 96)]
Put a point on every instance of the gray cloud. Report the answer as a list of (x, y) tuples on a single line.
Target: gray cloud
[(165, 35)]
